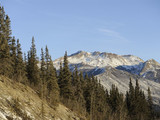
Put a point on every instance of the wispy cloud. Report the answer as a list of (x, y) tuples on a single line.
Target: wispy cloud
[(116, 36)]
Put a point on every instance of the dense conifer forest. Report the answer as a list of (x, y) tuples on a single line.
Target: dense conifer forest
[(81, 93)]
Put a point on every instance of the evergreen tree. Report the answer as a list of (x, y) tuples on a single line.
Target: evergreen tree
[(137, 89), (88, 91), (43, 74), (60, 78), (2, 21), (82, 81), (137, 98), (8, 31), (115, 99), (143, 108), (49, 78), (42, 85), (13, 56), (100, 107), (5, 59), (25, 59), (65, 86), (78, 91), (130, 99), (47, 57), (25, 69), (43, 66), (53, 88), (20, 72), (32, 66)]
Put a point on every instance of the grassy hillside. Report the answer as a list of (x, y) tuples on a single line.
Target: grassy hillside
[(21, 102)]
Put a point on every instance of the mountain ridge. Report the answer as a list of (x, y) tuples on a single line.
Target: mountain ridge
[(103, 59), (116, 69), (130, 63)]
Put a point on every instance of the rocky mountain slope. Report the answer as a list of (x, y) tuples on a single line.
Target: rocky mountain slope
[(118, 69), (149, 70), (121, 80), (19, 102), (97, 59)]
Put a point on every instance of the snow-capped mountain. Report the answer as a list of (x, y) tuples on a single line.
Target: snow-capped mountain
[(118, 69), (98, 59), (95, 62)]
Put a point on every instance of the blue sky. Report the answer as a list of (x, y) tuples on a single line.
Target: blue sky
[(116, 26)]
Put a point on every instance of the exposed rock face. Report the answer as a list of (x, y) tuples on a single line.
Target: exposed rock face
[(117, 69), (20, 102), (97, 59), (121, 80), (149, 70)]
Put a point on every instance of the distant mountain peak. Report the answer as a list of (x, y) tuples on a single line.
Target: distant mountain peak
[(152, 61), (78, 52), (101, 59)]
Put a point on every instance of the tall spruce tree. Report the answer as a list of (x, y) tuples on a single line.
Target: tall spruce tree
[(32, 66), (60, 77), (78, 91), (13, 56), (47, 73), (52, 84), (2, 20), (99, 102), (43, 66), (65, 84), (130, 99), (43, 75), (137, 98), (137, 88), (5, 59), (88, 94), (25, 60), (20, 72), (47, 57), (25, 68), (8, 31)]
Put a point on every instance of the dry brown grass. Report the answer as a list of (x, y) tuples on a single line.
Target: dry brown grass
[(15, 97)]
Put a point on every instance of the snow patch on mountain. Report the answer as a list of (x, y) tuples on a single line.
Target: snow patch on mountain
[(100, 59)]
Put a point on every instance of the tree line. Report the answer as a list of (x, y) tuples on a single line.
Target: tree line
[(81, 93)]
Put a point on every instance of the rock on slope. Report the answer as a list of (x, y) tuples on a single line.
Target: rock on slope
[(21, 102)]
